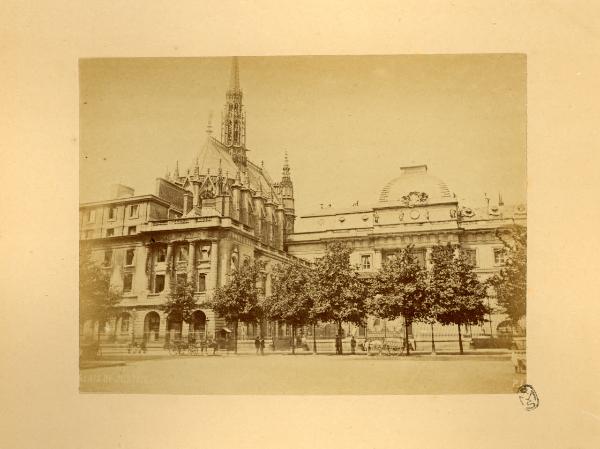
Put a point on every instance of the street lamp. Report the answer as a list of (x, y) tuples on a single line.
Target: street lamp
[(133, 314)]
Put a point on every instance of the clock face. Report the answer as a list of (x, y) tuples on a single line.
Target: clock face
[(414, 214)]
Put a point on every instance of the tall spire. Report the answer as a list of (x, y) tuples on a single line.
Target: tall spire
[(233, 126), (234, 80)]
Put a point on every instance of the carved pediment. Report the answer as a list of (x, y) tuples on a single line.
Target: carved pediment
[(414, 199)]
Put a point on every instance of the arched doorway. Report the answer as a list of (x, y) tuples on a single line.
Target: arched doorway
[(174, 328), (151, 326), (198, 326)]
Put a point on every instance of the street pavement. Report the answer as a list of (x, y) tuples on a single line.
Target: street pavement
[(304, 374)]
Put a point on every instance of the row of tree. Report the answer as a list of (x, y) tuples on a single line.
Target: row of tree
[(333, 291)]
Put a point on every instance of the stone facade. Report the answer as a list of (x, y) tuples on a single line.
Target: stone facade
[(222, 209), (417, 209), (200, 224)]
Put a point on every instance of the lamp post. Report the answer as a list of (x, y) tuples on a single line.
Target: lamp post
[(490, 315), (133, 314)]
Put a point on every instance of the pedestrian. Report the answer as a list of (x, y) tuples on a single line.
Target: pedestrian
[(353, 344), (257, 344), (262, 345)]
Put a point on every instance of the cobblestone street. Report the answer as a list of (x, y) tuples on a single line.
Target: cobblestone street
[(304, 374)]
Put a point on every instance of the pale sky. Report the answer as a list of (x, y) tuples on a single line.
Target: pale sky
[(347, 123)]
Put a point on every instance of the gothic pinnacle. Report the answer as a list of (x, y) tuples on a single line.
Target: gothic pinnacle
[(234, 81), (209, 125)]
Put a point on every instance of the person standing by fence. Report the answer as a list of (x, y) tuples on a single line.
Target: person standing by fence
[(257, 344)]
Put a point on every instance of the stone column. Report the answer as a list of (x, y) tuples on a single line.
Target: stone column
[(224, 260), (191, 260), (149, 267), (428, 258), (213, 274), (185, 204), (377, 259), (170, 267), (196, 195)]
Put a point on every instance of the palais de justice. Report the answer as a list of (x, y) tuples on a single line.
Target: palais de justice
[(206, 218)]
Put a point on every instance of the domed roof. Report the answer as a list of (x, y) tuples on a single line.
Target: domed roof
[(415, 180)]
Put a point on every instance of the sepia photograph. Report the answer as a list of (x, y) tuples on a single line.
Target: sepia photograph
[(331, 225), (304, 224)]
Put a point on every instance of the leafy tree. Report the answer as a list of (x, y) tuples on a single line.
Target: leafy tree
[(97, 299), (510, 283), (339, 293), (290, 301), (399, 290), (238, 300), (457, 293), (180, 303)]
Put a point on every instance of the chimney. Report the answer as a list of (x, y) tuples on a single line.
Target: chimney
[(413, 170), (121, 191)]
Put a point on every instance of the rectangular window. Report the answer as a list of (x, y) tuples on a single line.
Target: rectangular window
[(127, 282), (365, 262), (129, 256), (499, 256), (131, 230), (107, 258), (159, 283), (161, 254), (110, 232), (420, 256), (201, 282), (182, 253), (263, 284), (91, 216), (112, 213), (472, 256), (133, 211), (181, 278), (125, 323)]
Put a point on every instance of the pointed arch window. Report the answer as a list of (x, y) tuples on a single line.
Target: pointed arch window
[(236, 131)]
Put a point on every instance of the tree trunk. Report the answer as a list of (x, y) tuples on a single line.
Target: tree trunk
[(432, 341), (406, 337), (460, 345), (293, 339), (340, 336), (315, 338), (235, 331)]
